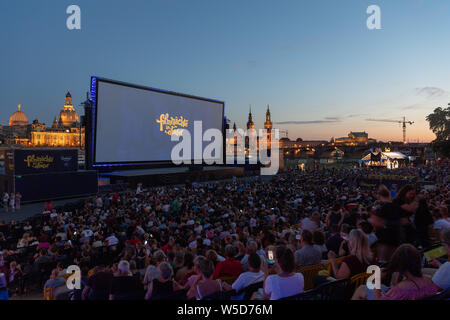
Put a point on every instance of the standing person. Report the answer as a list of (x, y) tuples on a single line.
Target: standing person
[(422, 222), (335, 216), (408, 201), (48, 205), (18, 200), (12, 203), (5, 200), (386, 220)]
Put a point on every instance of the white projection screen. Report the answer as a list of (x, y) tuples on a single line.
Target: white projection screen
[(130, 123)]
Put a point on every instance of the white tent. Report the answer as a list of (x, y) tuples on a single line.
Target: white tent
[(392, 159), (393, 156)]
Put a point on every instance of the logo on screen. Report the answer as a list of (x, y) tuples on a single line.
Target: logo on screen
[(172, 125)]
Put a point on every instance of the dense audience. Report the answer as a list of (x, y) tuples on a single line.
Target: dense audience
[(202, 240)]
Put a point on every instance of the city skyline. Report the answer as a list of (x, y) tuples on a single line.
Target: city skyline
[(315, 63)]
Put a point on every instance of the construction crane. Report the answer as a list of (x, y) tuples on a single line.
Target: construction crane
[(403, 122)]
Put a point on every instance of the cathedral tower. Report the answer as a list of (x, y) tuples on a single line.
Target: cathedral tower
[(268, 127)]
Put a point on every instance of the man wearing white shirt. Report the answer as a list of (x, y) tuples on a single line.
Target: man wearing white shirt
[(254, 275)]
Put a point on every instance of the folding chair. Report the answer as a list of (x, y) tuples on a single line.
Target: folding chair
[(356, 281), (49, 294), (309, 273)]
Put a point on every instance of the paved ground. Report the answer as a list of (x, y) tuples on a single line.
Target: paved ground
[(29, 210)]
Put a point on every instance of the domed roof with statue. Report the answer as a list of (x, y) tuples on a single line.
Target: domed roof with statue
[(18, 118), (68, 117)]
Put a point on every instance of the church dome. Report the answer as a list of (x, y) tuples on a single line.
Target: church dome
[(68, 117), (18, 118)]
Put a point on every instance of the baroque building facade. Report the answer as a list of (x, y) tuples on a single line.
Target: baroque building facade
[(354, 139), (66, 130)]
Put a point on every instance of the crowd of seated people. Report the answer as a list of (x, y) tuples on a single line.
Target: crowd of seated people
[(201, 241)]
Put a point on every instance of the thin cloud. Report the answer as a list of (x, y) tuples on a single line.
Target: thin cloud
[(430, 92), (308, 122), (414, 107), (324, 120), (356, 115)]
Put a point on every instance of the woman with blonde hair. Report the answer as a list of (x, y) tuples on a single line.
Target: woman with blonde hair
[(204, 285), (359, 259)]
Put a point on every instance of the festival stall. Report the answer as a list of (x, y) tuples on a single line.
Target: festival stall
[(389, 160)]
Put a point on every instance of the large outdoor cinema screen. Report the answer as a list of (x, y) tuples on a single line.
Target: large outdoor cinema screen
[(133, 124)]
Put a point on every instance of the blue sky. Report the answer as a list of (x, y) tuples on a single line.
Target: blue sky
[(314, 61)]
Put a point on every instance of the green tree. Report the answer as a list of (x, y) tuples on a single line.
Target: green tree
[(439, 122)]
